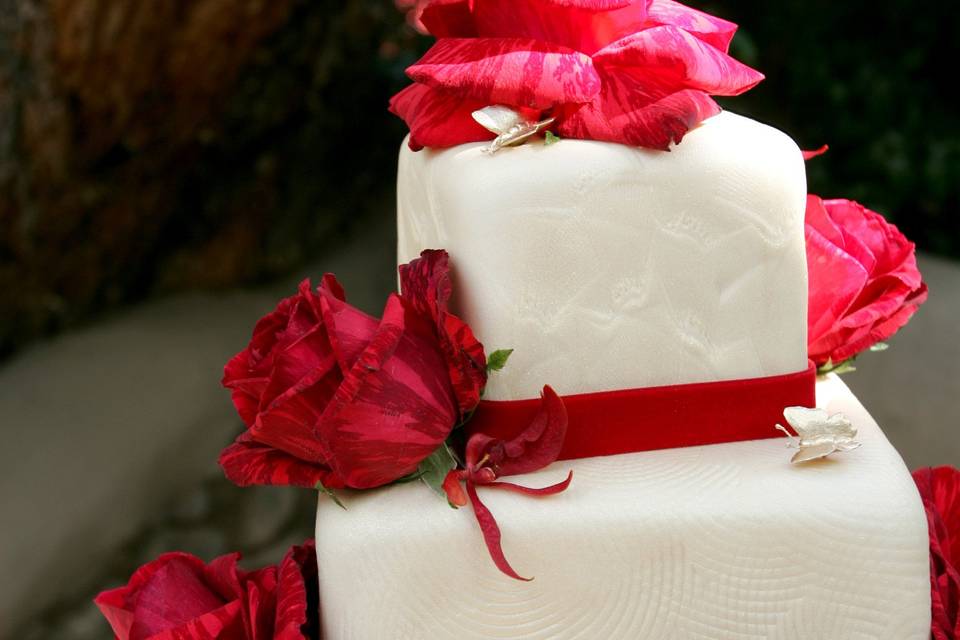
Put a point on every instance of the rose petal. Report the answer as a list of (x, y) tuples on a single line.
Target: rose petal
[(225, 623), (247, 463), (348, 328), (491, 534), (297, 595), (882, 330), (863, 278), (669, 56), (540, 443), (884, 240), (247, 373), (635, 113), (582, 25), (940, 492), (448, 18), (531, 491), (453, 488), (425, 285), (509, 71), (438, 119), (117, 604), (827, 303), (175, 595), (814, 153), (712, 30), (394, 408), (289, 423)]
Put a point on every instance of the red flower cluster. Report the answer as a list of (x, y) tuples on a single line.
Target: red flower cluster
[(940, 491), (639, 72), (864, 282), (178, 597), (333, 396)]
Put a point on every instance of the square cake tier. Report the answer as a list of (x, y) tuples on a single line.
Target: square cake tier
[(721, 541)]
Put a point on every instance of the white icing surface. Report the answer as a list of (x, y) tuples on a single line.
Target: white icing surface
[(609, 267), (725, 541)]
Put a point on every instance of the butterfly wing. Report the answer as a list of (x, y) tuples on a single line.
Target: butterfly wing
[(814, 452), (808, 423), (497, 119)]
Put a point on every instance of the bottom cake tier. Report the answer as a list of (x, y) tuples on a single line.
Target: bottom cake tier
[(721, 541)]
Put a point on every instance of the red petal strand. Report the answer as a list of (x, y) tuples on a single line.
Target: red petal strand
[(540, 443), (530, 491), (491, 534), (453, 489), (809, 155)]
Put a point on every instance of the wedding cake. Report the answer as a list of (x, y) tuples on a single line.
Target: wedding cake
[(615, 300), (612, 267)]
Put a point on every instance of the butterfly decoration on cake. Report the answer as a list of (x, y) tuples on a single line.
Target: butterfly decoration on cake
[(819, 434), (509, 125)]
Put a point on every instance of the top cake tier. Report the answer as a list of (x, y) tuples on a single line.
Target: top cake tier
[(613, 267)]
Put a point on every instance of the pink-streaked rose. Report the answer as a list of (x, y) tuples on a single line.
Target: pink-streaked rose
[(486, 459), (940, 491), (864, 282), (639, 72), (178, 597), (333, 396)]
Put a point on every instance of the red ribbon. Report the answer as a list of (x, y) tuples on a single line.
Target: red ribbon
[(687, 415)]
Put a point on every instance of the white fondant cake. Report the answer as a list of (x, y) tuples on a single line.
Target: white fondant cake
[(613, 267), (722, 541)]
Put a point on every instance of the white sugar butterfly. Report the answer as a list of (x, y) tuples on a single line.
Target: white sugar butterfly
[(511, 127), (818, 433)]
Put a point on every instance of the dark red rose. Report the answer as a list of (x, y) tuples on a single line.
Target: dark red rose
[(331, 395), (864, 282), (178, 597), (639, 72), (940, 491), (425, 283)]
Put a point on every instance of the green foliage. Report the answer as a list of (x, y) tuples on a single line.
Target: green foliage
[(498, 359)]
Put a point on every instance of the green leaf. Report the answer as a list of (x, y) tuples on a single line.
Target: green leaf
[(498, 359), (331, 495), (551, 138), (436, 466), (880, 346), (839, 368), (410, 477)]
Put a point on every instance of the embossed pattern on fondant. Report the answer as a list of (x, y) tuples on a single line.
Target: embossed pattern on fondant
[(724, 541), (607, 266)]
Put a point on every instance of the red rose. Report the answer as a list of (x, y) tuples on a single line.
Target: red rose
[(638, 72), (940, 491), (425, 282), (864, 282), (331, 395), (178, 597)]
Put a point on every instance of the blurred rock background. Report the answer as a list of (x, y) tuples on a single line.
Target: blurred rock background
[(168, 169)]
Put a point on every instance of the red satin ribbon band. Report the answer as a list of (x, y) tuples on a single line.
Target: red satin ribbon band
[(688, 415)]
